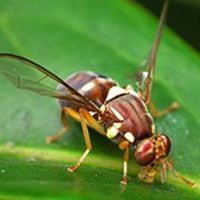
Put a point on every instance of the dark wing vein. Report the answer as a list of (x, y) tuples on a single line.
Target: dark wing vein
[(26, 74)]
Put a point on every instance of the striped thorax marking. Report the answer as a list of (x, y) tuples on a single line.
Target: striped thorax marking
[(114, 92), (117, 114), (129, 110)]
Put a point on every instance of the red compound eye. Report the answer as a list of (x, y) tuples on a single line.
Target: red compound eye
[(145, 152), (167, 144)]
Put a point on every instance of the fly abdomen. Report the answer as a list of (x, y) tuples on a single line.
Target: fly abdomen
[(91, 85)]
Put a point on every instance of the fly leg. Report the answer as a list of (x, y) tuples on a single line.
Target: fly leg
[(54, 138), (86, 119), (65, 111), (155, 113), (169, 165), (87, 143), (149, 74), (124, 145), (92, 122)]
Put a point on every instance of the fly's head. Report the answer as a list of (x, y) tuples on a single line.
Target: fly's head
[(150, 154)]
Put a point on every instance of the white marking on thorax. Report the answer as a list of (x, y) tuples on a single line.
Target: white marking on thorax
[(131, 90), (102, 108), (115, 91), (117, 125), (117, 114), (92, 113), (88, 86), (112, 132), (129, 136), (153, 129)]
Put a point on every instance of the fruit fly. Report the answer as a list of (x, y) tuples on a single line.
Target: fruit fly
[(118, 113)]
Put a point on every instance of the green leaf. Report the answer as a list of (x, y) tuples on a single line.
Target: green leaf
[(112, 38)]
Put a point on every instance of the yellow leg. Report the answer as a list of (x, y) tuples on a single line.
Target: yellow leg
[(156, 113), (87, 141), (54, 138), (65, 111), (86, 119), (125, 165), (169, 165), (92, 122)]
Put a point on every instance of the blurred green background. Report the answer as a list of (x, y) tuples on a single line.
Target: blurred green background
[(109, 37)]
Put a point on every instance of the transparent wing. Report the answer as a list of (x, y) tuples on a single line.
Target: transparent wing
[(26, 74), (140, 75)]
